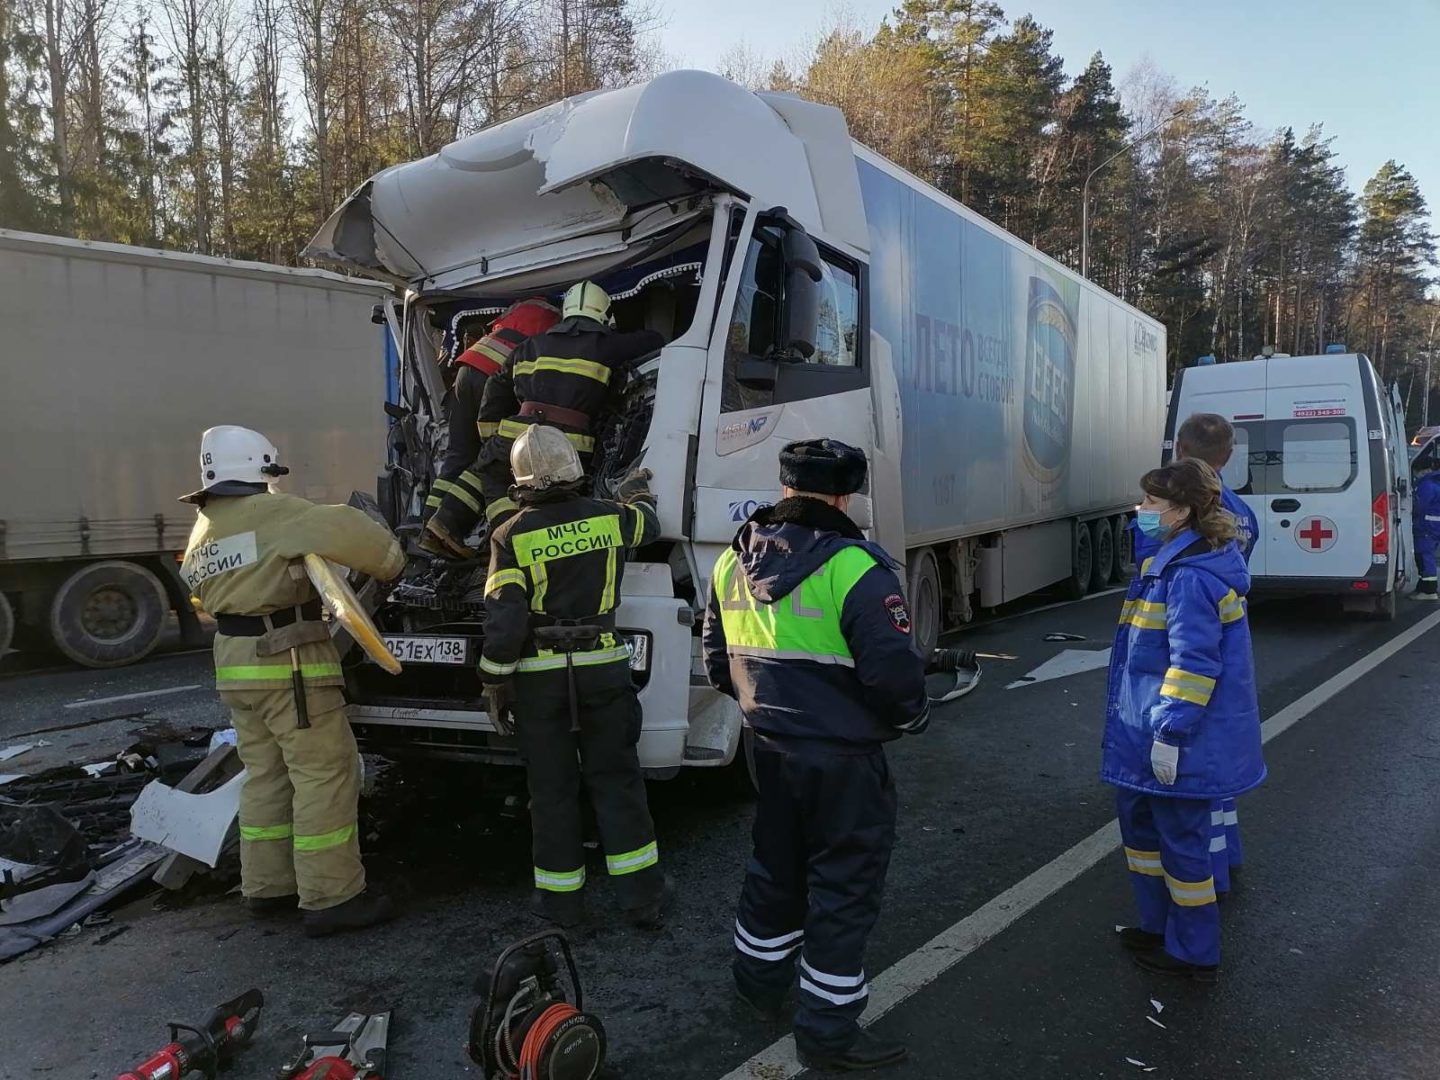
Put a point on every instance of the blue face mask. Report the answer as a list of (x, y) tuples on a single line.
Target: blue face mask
[(1148, 522)]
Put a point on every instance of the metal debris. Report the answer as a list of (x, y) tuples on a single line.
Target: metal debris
[(1157, 1006), (1157, 1023)]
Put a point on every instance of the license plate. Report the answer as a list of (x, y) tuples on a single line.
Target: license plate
[(414, 649)]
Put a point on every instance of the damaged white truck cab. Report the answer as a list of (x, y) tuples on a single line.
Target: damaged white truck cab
[(736, 224)]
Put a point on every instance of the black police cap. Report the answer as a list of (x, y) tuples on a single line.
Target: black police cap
[(824, 466)]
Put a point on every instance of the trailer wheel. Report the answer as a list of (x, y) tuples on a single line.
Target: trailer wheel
[(922, 586), (1082, 562), (7, 624), (1102, 542), (1124, 549), (107, 614)]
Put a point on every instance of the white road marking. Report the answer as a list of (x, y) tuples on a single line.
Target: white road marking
[(1064, 664), (141, 694), (917, 970)]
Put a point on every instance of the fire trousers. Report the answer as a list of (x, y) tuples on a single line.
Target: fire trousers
[(824, 829), (601, 754), (299, 805), (1167, 849)]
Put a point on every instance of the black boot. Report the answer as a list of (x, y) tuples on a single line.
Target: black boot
[(367, 909), (271, 907), (1161, 962), (651, 914), (565, 910), (769, 1008), (1137, 940), (866, 1052)]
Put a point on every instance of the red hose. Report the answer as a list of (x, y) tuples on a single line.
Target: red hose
[(539, 1033)]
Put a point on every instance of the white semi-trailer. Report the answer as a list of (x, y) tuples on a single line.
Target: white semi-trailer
[(112, 361), (806, 287)]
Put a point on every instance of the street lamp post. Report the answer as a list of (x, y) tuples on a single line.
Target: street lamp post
[(1085, 191)]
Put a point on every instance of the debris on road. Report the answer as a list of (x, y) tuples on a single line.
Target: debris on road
[(1064, 637), (20, 748), (190, 824), (1157, 1023), (1154, 1004)]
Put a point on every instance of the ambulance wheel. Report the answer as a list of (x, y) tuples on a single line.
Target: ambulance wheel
[(922, 588), (1082, 564), (107, 614), (1102, 542), (7, 624)]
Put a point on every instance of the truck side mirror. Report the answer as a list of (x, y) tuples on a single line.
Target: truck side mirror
[(800, 317)]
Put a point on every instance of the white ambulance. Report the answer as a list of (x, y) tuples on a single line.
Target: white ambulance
[(1320, 456)]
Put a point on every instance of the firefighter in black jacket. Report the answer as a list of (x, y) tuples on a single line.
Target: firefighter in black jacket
[(555, 571), (456, 498), (807, 628), (565, 377)]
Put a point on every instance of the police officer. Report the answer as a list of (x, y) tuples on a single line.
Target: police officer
[(565, 377), (1210, 438), (551, 656), (272, 654), (481, 357), (807, 628)]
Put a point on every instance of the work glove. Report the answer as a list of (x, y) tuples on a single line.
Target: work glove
[(951, 660), (1164, 761), (634, 484), (497, 703)]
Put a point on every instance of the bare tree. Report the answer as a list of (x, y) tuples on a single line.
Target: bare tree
[(188, 23)]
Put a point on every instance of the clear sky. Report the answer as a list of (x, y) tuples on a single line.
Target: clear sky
[(1369, 71)]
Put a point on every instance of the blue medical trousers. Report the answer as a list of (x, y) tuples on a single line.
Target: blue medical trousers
[(1167, 848), (1225, 850), (824, 828)]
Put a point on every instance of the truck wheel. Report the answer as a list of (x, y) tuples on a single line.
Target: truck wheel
[(1124, 553), (922, 585), (107, 614), (1082, 563), (1102, 542), (7, 624)]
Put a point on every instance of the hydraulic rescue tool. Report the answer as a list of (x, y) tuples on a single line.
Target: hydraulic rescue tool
[(355, 1050), (205, 1049), (962, 664), (529, 1027)]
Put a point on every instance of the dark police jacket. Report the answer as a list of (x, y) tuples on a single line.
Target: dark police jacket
[(576, 365), (807, 629), (560, 557)]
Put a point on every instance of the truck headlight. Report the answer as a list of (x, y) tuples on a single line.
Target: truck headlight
[(638, 642)]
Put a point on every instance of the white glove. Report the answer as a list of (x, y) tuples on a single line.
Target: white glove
[(1164, 760)]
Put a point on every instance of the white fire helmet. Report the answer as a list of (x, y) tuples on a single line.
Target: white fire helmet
[(233, 460), (543, 457), (588, 300)]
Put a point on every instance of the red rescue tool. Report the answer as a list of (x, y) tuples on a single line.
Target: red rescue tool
[(205, 1049)]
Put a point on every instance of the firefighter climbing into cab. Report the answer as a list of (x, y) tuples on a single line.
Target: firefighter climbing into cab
[(456, 496)]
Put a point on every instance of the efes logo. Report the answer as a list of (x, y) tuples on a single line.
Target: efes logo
[(1049, 379), (743, 508)]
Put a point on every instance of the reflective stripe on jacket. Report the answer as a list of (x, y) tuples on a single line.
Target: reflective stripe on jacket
[(1182, 670)]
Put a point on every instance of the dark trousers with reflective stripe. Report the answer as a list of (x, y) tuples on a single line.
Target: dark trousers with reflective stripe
[(1167, 849), (824, 829), (603, 755)]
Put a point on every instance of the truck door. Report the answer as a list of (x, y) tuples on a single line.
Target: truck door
[(754, 403), (1317, 513)]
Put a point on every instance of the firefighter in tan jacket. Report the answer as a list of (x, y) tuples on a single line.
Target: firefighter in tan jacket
[(279, 674)]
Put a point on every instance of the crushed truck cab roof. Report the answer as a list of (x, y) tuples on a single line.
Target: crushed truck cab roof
[(579, 168)]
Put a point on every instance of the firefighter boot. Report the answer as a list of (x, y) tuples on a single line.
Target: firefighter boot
[(367, 909)]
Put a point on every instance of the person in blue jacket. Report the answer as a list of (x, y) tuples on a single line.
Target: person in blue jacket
[(1426, 518), (1182, 724), (1210, 438), (807, 628)]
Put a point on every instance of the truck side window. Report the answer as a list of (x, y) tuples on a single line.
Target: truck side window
[(835, 343)]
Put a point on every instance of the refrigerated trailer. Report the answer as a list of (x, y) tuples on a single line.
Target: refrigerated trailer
[(113, 360), (805, 287)]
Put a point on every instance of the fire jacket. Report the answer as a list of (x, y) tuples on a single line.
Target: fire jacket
[(1426, 511), (560, 557), (806, 627), (245, 558), (1246, 524), (576, 366), (1182, 671)]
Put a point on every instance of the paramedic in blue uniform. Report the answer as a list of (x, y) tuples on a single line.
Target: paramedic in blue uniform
[(808, 630), (1182, 724), (1210, 438), (1425, 516)]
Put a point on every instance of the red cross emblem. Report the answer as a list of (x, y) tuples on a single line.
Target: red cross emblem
[(1316, 534)]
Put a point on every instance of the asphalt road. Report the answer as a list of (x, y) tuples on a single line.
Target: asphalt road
[(1329, 954)]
